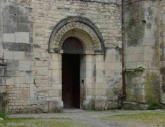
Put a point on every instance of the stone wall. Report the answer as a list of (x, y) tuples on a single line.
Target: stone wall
[(105, 15), (32, 79), (142, 52), (16, 52)]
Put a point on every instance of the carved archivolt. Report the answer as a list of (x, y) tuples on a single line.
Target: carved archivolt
[(78, 27)]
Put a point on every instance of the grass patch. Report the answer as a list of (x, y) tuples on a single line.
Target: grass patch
[(31, 122), (3, 115), (147, 119)]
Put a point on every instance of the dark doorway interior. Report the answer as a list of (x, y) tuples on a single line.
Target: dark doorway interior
[(71, 80)]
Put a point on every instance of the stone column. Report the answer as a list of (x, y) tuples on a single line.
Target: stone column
[(89, 81), (55, 80), (82, 81), (100, 88)]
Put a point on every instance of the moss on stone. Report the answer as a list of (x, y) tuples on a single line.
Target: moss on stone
[(149, 25), (150, 11), (152, 88), (135, 71), (133, 88)]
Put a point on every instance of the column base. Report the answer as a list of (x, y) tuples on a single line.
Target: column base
[(134, 106), (100, 104)]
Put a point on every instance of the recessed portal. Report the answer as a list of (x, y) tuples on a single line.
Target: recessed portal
[(78, 42), (72, 48), (71, 80)]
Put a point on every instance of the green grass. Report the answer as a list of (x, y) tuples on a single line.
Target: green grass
[(30, 122), (147, 119), (3, 115)]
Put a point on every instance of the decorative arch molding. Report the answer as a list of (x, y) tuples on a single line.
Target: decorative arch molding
[(78, 24)]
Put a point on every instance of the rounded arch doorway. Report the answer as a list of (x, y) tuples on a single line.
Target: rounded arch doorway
[(77, 46), (72, 50)]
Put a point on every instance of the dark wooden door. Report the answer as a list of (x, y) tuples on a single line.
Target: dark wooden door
[(71, 80)]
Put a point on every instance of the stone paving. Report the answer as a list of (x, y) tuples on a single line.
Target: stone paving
[(90, 118)]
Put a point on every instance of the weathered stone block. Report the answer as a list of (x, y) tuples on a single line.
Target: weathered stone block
[(9, 37), (22, 37)]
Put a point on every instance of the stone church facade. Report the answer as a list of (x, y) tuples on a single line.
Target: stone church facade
[(87, 54)]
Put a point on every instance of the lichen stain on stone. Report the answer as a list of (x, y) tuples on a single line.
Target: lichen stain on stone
[(162, 71), (114, 89), (134, 86), (149, 25), (152, 88), (150, 11), (16, 19), (155, 59), (135, 26)]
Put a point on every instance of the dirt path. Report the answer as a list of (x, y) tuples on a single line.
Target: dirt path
[(92, 119)]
